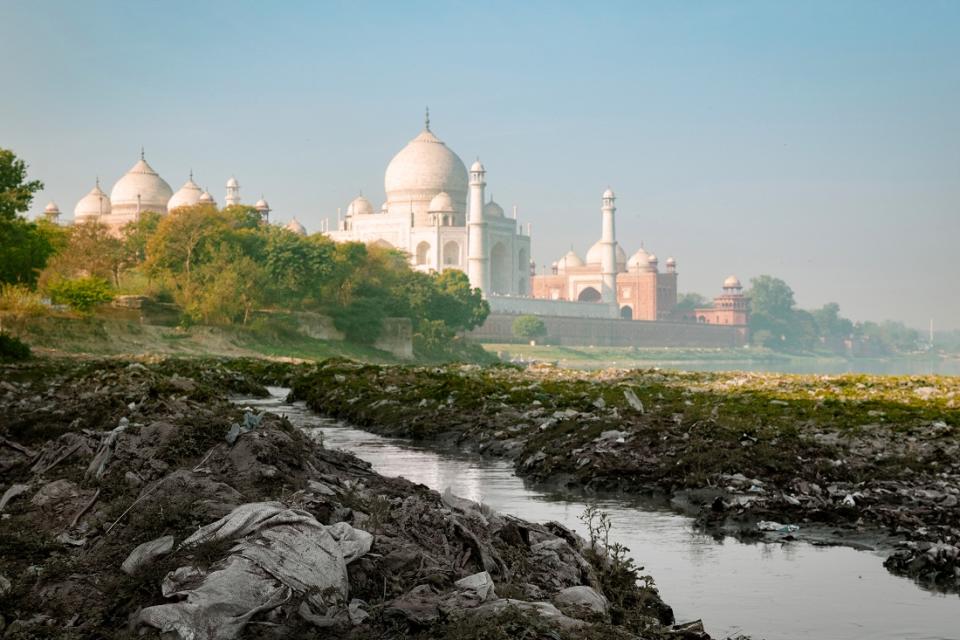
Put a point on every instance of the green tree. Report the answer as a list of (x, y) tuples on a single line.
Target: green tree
[(529, 327), (691, 301), (24, 246), (91, 250), (16, 192), (81, 294)]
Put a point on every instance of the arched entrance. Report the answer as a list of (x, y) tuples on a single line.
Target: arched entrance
[(589, 295), (499, 269), (451, 254), (626, 312), (423, 253)]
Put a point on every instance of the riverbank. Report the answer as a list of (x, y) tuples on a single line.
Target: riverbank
[(743, 359), (855, 459), (138, 498)]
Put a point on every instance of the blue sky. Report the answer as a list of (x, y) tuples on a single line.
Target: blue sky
[(817, 141)]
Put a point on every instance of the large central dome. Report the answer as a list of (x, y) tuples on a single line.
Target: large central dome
[(422, 169), (143, 187)]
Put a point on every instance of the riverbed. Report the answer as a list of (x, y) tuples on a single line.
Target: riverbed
[(790, 591)]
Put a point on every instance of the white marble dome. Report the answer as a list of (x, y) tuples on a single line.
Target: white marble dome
[(207, 198), (262, 205), (640, 259), (441, 203), (492, 209), (424, 168), (569, 259), (360, 206), (141, 180), (186, 196), (295, 227), (51, 208), (92, 206), (732, 282), (595, 255)]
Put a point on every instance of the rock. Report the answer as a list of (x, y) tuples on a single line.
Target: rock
[(582, 596), (543, 609), (320, 488), (147, 553), (55, 492), (419, 606), (689, 631), (5, 585), (480, 584)]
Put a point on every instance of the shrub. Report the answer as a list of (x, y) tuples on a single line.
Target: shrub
[(20, 300), (12, 348), (529, 327), (82, 294)]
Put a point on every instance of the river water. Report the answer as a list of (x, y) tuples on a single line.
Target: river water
[(777, 591)]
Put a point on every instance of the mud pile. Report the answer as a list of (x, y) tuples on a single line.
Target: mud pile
[(138, 500)]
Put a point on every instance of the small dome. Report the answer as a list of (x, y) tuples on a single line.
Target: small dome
[(232, 183), (476, 166), (92, 206), (640, 260), (569, 259), (360, 206), (295, 227), (441, 203), (261, 205), (671, 262), (186, 196), (652, 259), (207, 198), (608, 193), (595, 255), (141, 186), (51, 208), (732, 282), (492, 210)]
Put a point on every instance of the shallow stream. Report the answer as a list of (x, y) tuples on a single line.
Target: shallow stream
[(776, 591)]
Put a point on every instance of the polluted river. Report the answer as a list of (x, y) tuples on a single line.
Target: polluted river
[(785, 591)]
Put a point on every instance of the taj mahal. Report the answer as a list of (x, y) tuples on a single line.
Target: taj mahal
[(438, 213)]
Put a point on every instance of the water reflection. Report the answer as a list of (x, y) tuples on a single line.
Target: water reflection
[(793, 591)]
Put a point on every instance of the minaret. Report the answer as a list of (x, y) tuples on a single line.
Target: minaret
[(608, 240), (233, 192), (478, 264)]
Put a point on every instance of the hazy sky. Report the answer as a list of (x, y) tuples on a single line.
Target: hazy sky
[(815, 141)]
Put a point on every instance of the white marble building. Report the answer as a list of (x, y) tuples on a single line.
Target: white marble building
[(441, 218)]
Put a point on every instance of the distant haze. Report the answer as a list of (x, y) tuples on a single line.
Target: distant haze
[(818, 142)]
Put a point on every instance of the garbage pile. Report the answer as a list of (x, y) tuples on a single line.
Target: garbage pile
[(136, 499)]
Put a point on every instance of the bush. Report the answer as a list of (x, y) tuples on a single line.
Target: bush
[(20, 300), (529, 327), (81, 294), (12, 348)]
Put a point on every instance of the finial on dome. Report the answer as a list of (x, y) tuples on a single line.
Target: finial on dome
[(191, 175), (427, 119), (141, 153), (98, 182)]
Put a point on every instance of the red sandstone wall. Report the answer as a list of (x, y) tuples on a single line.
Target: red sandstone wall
[(618, 333)]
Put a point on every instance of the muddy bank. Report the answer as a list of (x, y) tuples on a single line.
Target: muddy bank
[(138, 499), (848, 459)]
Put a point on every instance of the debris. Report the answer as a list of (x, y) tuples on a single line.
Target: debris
[(147, 553), (480, 584), (11, 493), (633, 400), (250, 422), (765, 525), (102, 458)]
